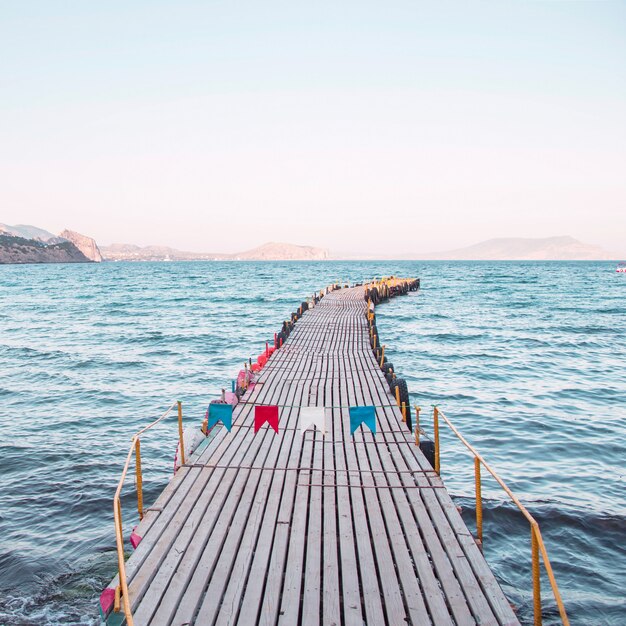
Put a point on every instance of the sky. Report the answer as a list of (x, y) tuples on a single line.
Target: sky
[(362, 127)]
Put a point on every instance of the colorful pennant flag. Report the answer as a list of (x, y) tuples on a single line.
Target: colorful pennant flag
[(312, 416), (264, 414), (362, 415), (220, 413)]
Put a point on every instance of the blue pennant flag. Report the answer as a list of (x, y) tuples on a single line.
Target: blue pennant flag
[(221, 413), (362, 415)]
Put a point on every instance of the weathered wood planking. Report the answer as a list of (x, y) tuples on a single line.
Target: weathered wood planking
[(295, 528)]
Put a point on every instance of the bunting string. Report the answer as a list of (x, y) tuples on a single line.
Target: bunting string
[(406, 433), (319, 406), (371, 486), (312, 469)]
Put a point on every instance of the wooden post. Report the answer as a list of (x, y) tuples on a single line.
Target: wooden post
[(534, 547), (139, 478), (436, 432), (479, 502), (180, 432), (417, 425)]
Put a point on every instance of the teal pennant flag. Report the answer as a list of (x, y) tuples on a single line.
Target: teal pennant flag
[(362, 415), (221, 413)]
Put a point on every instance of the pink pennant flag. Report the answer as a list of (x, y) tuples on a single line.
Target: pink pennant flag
[(264, 414), (135, 539)]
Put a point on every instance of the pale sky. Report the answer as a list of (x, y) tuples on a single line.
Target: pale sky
[(358, 126)]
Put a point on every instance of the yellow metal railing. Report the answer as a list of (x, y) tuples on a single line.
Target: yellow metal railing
[(121, 591), (537, 546)]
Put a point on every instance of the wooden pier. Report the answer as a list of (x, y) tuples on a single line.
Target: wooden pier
[(310, 528)]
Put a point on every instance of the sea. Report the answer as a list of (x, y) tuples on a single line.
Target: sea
[(526, 359)]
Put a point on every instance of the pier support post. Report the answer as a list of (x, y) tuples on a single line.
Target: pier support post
[(180, 432), (479, 502), (534, 546), (436, 433), (417, 425), (139, 478)]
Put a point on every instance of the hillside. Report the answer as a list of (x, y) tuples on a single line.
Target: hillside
[(29, 232), (30, 244), (266, 252), (519, 249), (20, 250), (131, 252), (283, 252)]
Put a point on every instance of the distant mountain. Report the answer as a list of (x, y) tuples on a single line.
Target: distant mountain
[(266, 252), (131, 252), (29, 232), (283, 252), (520, 249), (512, 248), (30, 244)]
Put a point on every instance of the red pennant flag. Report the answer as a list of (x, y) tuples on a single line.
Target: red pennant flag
[(264, 414)]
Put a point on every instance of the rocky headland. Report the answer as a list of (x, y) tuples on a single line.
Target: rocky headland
[(29, 244), (86, 245)]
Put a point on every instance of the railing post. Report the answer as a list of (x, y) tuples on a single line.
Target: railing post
[(417, 425), (436, 433), (404, 412), (398, 395), (139, 478), (534, 547), (118, 521), (479, 502), (180, 432), (382, 356)]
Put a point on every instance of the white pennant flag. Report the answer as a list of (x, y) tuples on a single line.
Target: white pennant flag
[(312, 416)]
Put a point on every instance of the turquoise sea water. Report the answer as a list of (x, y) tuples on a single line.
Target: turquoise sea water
[(527, 359)]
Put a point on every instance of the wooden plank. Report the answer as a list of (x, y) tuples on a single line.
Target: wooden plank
[(447, 537), (452, 538), (374, 530), (353, 611), (452, 572), (217, 556), (260, 549), (311, 603), (293, 580), (372, 592), (429, 585), (245, 449), (272, 571), (331, 599)]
